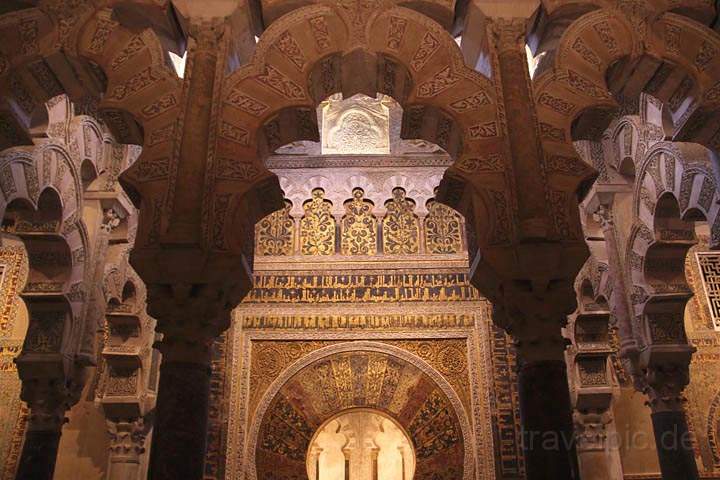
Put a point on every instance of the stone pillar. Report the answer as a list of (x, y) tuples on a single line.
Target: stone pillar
[(39, 453), (592, 394), (374, 456), (623, 314), (297, 247), (380, 247), (50, 384)]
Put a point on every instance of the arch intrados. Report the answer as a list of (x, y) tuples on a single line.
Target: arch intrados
[(358, 346)]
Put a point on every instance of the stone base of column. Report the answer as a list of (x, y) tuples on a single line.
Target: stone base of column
[(546, 414), (37, 461), (179, 438), (674, 446)]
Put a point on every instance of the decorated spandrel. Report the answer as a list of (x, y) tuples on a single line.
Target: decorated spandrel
[(317, 227), (359, 226), (443, 230), (274, 233), (401, 227)]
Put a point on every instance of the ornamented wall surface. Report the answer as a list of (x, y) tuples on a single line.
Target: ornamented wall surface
[(361, 298)]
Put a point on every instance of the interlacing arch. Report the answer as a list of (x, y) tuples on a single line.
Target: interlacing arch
[(443, 12), (574, 98), (34, 182), (309, 54)]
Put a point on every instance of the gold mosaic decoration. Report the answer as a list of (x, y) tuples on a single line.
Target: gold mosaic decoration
[(317, 227), (401, 228), (443, 230), (13, 414), (274, 233), (359, 227), (13, 269)]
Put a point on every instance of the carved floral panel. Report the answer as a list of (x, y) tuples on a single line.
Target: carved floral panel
[(359, 226), (401, 228), (317, 227)]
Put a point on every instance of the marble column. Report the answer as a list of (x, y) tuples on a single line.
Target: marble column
[(546, 416), (672, 438), (179, 436)]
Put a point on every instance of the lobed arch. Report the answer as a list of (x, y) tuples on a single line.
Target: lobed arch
[(674, 188), (574, 96), (41, 185), (307, 55), (128, 69), (457, 461), (442, 12)]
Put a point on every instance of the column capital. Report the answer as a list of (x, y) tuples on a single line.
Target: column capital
[(591, 429), (127, 438), (190, 317), (665, 384), (508, 34)]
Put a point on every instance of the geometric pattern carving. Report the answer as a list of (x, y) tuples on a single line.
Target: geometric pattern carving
[(443, 230), (359, 227), (400, 226), (274, 233), (317, 227), (709, 263)]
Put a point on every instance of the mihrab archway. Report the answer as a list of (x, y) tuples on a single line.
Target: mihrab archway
[(355, 375)]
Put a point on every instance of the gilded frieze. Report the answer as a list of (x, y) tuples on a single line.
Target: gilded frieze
[(358, 321), (13, 415), (13, 270), (359, 226), (317, 226), (333, 288)]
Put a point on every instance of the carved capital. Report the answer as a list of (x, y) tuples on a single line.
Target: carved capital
[(664, 386), (591, 429), (190, 317), (48, 404), (508, 34), (111, 220), (127, 439), (537, 339), (605, 217), (207, 33)]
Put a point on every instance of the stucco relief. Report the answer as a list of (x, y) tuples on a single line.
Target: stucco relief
[(359, 125)]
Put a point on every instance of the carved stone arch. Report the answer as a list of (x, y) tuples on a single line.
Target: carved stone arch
[(464, 469), (625, 141), (269, 102), (660, 240), (594, 49), (573, 96), (141, 92), (88, 133), (444, 13), (65, 237)]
